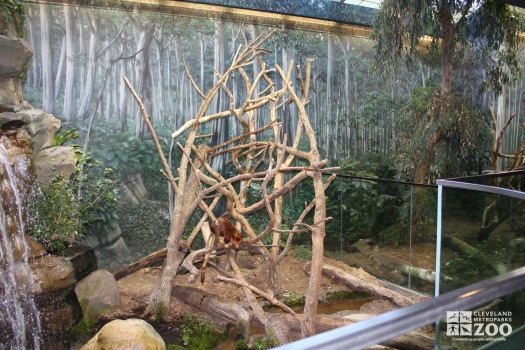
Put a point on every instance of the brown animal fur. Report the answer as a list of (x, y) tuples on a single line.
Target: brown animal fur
[(224, 233)]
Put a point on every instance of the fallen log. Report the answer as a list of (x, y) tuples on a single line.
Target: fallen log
[(146, 261), (465, 248), (365, 283), (235, 313), (422, 274)]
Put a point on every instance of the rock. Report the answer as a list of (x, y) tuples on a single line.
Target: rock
[(58, 313), (42, 127), (126, 196), (83, 259), (126, 334), (10, 93), (133, 182), (14, 55), (53, 272), (98, 294), (55, 161)]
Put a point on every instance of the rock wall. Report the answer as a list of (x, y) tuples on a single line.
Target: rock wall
[(26, 138)]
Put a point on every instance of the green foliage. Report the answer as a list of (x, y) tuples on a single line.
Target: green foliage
[(455, 117), (174, 347), (199, 333), (397, 23), (356, 206), (240, 344), (495, 29), (264, 343), (126, 154), (467, 268), (491, 28), (302, 252), (64, 208), (66, 136), (84, 326), (15, 13)]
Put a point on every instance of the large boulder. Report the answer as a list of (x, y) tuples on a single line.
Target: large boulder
[(14, 55), (98, 294), (53, 272), (53, 162), (10, 94), (126, 334), (42, 127)]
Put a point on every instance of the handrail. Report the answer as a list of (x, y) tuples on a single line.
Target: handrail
[(483, 188), (397, 322)]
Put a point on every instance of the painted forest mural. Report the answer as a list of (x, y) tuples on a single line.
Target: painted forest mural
[(82, 55), (364, 119)]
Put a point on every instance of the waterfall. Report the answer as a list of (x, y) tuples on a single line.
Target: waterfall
[(19, 318)]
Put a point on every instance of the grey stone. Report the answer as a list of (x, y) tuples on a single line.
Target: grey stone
[(10, 93), (98, 294), (42, 127), (14, 55), (55, 161), (10, 120)]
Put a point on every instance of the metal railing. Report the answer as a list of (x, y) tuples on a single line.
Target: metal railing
[(394, 323)]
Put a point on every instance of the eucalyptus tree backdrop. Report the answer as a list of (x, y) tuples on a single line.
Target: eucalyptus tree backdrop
[(82, 54)]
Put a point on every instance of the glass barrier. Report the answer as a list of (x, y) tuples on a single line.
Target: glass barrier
[(483, 236), (387, 228)]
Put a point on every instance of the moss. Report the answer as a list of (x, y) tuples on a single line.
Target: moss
[(174, 347), (160, 312), (265, 342), (293, 300), (345, 295), (84, 326), (241, 344), (200, 334)]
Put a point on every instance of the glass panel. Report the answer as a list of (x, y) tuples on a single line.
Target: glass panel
[(482, 237), (386, 228)]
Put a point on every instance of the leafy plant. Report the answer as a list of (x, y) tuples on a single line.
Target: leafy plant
[(265, 342), (302, 252), (199, 333), (455, 116), (15, 13), (357, 206), (61, 139), (65, 208)]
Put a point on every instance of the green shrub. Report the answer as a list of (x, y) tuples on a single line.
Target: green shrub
[(302, 252), (199, 333), (65, 208)]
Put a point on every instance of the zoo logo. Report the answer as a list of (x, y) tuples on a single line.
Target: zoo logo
[(462, 323)]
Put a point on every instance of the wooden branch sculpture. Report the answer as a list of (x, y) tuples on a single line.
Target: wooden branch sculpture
[(197, 180)]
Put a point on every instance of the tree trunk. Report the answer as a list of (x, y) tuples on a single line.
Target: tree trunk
[(329, 76), (48, 69), (33, 77), (160, 79), (89, 84), (144, 32), (69, 112), (122, 103), (60, 69), (221, 126), (447, 51)]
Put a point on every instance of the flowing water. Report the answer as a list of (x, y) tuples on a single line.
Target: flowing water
[(19, 318)]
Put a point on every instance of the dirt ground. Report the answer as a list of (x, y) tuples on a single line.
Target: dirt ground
[(135, 288)]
